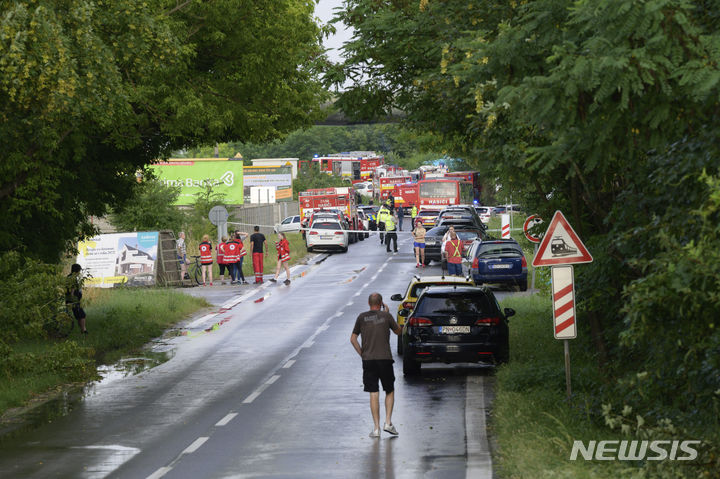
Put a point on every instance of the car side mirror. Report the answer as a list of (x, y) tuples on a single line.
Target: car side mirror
[(509, 312), (404, 313), (396, 297)]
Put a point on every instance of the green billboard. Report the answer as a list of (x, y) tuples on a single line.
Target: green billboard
[(193, 175)]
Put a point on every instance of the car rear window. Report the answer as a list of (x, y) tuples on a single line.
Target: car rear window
[(464, 303), (499, 249), (428, 213), (326, 226), (467, 235), (483, 210)]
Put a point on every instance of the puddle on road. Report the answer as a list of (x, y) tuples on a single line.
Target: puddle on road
[(50, 406)]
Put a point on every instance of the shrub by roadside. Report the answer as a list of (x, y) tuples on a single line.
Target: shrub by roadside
[(535, 425), (119, 320)]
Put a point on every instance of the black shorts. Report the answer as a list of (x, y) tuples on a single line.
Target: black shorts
[(78, 312), (224, 266), (378, 369)]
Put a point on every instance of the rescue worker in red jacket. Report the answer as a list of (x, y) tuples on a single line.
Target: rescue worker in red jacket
[(283, 250), (232, 256), (454, 250), (206, 259), (222, 262), (242, 252)]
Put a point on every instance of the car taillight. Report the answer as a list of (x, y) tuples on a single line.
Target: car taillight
[(419, 322), (487, 321), (476, 263), (523, 262), (408, 304), (314, 232), (338, 232)]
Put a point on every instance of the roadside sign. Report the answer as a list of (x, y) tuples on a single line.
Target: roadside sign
[(505, 228), (531, 221), (563, 296), (561, 245), (218, 215)]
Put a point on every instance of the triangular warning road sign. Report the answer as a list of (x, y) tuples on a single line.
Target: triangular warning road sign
[(561, 245)]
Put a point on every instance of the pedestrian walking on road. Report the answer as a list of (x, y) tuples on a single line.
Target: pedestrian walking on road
[(206, 259), (390, 233), (283, 250), (374, 327), (454, 250), (400, 215), (419, 236), (259, 252), (73, 295), (413, 213)]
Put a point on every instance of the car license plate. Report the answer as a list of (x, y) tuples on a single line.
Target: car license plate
[(326, 237), (500, 266), (429, 243), (454, 329)]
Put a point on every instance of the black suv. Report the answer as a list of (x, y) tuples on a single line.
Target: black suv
[(455, 324)]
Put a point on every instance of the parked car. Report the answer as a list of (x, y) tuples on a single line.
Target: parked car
[(467, 232), (289, 224), (328, 234), (484, 212), (427, 217), (455, 324), (371, 214), (459, 212), (498, 261), (417, 285)]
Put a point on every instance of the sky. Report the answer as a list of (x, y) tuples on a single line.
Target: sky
[(324, 11)]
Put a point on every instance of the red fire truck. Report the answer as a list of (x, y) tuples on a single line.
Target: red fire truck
[(444, 191), (406, 195), (353, 165), (340, 199), (382, 187), (472, 177)]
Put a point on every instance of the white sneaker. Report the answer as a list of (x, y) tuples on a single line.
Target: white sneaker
[(375, 433), (390, 429)]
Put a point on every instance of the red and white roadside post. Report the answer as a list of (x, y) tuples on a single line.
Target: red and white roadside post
[(561, 248)]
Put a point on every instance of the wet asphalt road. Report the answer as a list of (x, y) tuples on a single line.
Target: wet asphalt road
[(269, 386)]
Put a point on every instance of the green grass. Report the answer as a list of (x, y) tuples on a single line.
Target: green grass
[(120, 321), (533, 423)]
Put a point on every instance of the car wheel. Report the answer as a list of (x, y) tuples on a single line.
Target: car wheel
[(367, 235), (309, 248), (344, 249), (523, 285), (361, 237), (399, 346), (410, 367)]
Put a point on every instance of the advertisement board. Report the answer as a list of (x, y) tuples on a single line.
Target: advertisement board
[(193, 175), (279, 177), (119, 258)]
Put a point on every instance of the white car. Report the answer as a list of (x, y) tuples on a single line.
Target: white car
[(484, 212), (288, 225), (328, 234), (364, 188)]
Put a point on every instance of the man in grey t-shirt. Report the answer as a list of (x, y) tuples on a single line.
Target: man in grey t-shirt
[(374, 327)]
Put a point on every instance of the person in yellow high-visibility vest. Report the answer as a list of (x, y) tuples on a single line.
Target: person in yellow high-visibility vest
[(413, 214), (454, 250), (390, 233), (382, 215)]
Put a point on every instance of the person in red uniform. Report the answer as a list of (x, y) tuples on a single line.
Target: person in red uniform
[(222, 263), (242, 252), (206, 259), (259, 251), (283, 250), (454, 249)]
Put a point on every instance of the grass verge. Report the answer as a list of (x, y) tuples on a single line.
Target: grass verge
[(533, 423), (120, 321)]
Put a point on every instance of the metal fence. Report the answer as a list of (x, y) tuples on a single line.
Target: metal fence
[(265, 216)]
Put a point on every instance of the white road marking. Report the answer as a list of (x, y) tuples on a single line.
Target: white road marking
[(356, 294), (224, 421), (272, 380), (111, 447), (159, 473), (256, 393), (479, 460), (308, 343), (366, 285), (288, 364), (201, 320), (351, 303), (195, 445)]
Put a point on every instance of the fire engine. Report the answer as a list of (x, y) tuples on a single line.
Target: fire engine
[(406, 195), (382, 187), (338, 198), (354, 165)]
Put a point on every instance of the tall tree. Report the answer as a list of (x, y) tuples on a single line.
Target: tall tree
[(92, 91)]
